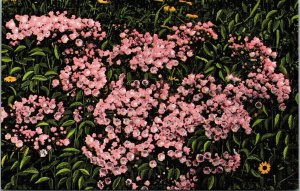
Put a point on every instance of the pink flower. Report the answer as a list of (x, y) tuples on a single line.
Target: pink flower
[(161, 156), (152, 164), (3, 114), (55, 83)]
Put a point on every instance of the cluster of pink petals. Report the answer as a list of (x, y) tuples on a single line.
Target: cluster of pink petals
[(125, 112), (77, 114), (219, 111), (186, 181), (227, 163), (148, 52), (262, 82), (43, 27), (3, 114), (27, 114), (87, 76)]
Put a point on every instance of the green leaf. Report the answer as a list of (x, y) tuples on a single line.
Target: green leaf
[(116, 183), (286, 140), (38, 53), (219, 14), (278, 137), (206, 145), (68, 123), (56, 52), (207, 51), (31, 170), (15, 69), (3, 160), (39, 78), (50, 72), (236, 140), (211, 181), (42, 123), (143, 166), (257, 138), (254, 173), (19, 48), (76, 104), (290, 121), (276, 120), (84, 171), (257, 121), (62, 171), (24, 161), (201, 58), (271, 13), (77, 164), (177, 173), (71, 132), (256, 18), (267, 135), (71, 150), (209, 69), (80, 182), (27, 74), (254, 8), (230, 26), (6, 59), (252, 157), (265, 110), (285, 152), (62, 165), (42, 179), (104, 45)]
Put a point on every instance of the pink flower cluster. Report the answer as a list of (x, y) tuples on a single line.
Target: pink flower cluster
[(3, 114), (262, 81), (151, 53), (219, 164), (133, 134), (26, 116), (148, 52), (50, 26), (219, 111), (85, 75)]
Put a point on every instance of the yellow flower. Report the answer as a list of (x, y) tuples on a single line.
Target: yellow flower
[(171, 78), (159, 0), (187, 2), (192, 16), (172, 9), (10, 79), (264, 167), (166, 8), (103, 1)]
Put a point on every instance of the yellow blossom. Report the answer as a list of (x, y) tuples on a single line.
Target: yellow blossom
[(103, 1), (171, 78), (10, 79), (187, 2), (264, 167), (172, 9), (159, 0), (166, 8), (192, 16)]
